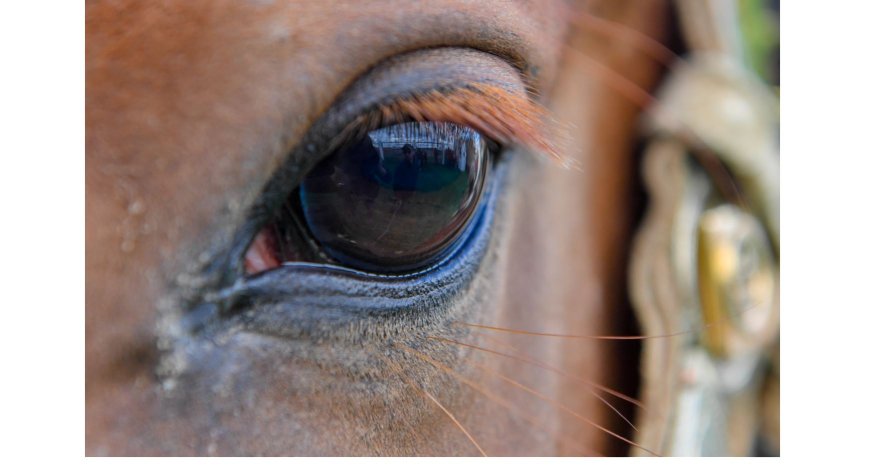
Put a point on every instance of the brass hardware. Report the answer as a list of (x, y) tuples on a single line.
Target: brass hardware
[(736, 282)]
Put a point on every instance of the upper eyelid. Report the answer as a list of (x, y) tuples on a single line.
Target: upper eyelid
[(429, 69), (415, 74), (400, 81), (461, 85)]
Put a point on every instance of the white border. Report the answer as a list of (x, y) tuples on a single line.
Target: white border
[(825, 235)]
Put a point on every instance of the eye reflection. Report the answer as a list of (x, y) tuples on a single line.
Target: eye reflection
[(399, 197)]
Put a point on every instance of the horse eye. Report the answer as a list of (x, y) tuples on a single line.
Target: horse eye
[(397, 198), (394, 199)]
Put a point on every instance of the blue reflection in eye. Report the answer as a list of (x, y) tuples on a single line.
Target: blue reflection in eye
[(398, 198)]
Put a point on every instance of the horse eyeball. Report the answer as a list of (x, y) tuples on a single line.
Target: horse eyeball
[(399, 197)]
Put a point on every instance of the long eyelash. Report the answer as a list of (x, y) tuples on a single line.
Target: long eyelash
[(506, 117)]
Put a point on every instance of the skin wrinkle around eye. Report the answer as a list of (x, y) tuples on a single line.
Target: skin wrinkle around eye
[(312, 301)]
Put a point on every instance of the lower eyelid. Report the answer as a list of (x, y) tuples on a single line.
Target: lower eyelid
[(315, 301)]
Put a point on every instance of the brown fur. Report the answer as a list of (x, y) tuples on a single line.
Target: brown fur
[(191, 106)]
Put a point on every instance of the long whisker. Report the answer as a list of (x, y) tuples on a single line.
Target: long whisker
[(569, 411), (428, 395), (495, 398), (544, 365), (616, 81), (592, 392), (608, 76), (490, 371), (555, 403), (707, 325), (562, 335), (455, 421), (653, 48)]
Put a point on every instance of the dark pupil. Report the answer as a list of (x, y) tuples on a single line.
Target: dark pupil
[(399, 197)]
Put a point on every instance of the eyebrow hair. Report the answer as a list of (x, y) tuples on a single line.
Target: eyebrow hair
[(507, 117)]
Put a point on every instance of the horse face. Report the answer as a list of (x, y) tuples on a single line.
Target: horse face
[(192, 108)]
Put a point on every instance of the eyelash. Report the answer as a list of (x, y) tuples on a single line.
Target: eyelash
[(506, 117)]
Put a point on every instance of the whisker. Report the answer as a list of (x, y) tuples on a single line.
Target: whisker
[(631, 91), (592, 392), (616, 81), (544, 365), (562, 335), (428, 395), (570, 411), (519, 413), (496, 399), (705, 326), (455, 421), (552, 401), (653, 48)]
